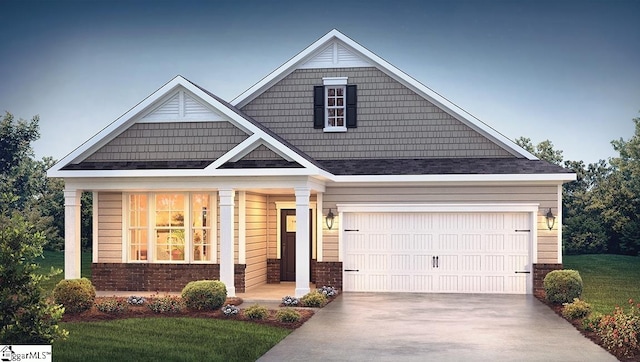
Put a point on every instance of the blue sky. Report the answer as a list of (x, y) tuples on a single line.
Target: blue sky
[(566, 71)]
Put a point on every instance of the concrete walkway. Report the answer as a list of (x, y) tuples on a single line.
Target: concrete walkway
[(436, 327)]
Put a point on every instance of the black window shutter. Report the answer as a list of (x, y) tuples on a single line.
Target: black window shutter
[(352, 100), (318, 107)]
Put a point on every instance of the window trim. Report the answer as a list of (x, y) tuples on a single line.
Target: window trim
[(334, 82), (188, 229)]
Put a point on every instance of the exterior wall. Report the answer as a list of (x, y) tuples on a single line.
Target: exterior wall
[(158, 277), (393, 121), (171, 141), (262, 152), (546, 196), (109, 227), (256, 240)]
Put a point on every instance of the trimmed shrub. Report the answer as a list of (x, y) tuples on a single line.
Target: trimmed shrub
[(112, 305), (166, 304), (314, 299), (204, 294), (577, 309), (256, 311), (591, 322), (621, 330), (76, 295), (562, 286), (288, 315)]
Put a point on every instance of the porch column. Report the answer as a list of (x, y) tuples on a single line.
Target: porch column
[(226, 240), (72, 241), (302, 241)]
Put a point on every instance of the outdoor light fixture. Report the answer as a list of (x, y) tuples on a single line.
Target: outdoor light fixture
[(330, 217), (551, 220)]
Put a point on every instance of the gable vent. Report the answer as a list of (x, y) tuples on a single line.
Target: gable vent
[(182, 106), (335, 55)]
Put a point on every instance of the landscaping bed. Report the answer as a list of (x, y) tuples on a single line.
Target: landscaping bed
[(143, 311)]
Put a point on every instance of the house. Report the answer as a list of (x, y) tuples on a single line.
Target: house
[(337, 168)]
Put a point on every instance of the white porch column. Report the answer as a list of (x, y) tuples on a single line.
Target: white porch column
[(72, 241), (226, 240), (302, 241)]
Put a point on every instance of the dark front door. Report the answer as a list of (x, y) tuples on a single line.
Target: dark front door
[(288, 244)]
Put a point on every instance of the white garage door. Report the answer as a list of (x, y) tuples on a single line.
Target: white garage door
[(437, 252)]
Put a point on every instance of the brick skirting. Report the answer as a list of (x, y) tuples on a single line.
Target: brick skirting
[(329, 273), (157, 277), (539, 272), (273, 271)]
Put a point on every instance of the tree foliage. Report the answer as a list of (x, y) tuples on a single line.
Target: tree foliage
[(27, 317), (601, 208)]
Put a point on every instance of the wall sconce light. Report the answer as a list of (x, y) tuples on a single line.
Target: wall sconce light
[(329, 219), (551, 220)]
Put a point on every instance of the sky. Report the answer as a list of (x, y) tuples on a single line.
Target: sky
[(566, 71)]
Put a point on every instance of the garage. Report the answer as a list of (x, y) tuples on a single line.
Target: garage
[(439, 252)]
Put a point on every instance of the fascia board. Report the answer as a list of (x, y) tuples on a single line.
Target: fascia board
[(555, 177), (182, 173), (241, 147)]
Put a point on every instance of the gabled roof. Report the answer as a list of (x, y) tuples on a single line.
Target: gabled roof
[(360, 56), (73, 165)]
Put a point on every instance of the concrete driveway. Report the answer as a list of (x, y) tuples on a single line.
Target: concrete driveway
[(436, 327)]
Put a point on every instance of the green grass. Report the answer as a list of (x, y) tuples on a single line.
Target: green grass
[(609, 280), (168, 339), (55, 259)]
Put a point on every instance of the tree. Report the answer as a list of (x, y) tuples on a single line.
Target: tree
[(27, 317), (543, 150)]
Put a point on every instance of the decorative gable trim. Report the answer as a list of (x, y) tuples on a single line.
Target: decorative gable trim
[(181, 106), (312, 55), (335, 55)]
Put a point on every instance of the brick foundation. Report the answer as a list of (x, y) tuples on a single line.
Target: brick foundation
[(157, 277), (539, 272), (273, 271), (329, 274)]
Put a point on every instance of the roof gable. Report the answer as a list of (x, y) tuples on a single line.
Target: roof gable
[(319, 54), (179, 100)]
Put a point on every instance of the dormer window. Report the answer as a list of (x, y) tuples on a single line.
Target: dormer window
[(335, 105)]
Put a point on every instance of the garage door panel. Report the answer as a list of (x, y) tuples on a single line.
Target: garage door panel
[(429, 252)]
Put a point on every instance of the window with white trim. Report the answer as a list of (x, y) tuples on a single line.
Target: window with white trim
[(334, 105), (171, 227)]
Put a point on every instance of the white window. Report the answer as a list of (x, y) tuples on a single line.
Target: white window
[(171, 227), (335, 95)]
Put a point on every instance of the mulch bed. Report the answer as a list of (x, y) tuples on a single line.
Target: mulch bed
[(593, 336), (142, 311)]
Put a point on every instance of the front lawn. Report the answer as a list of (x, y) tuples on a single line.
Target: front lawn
[(168, 339), (609, 280)]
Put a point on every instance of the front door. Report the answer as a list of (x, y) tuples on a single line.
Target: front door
[(288, 243)]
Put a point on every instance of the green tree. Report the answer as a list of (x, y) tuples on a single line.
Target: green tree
[(543, 150), (27, 317)]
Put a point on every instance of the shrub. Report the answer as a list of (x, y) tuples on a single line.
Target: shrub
[(166, 305), (76, 295), (577, 309), (112, 305), (133, 300), (230, 310), (288, 315), (591, 322), (256, 311), (328, 291), (562, 286), (314, 299), (621, 330), (290, 301), (204, 294)]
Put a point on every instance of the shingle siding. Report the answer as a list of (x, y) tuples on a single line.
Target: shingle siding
[(171, 141), (393, 121)]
